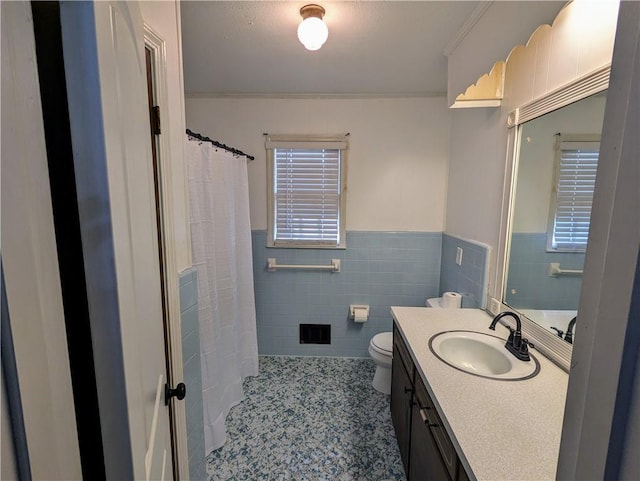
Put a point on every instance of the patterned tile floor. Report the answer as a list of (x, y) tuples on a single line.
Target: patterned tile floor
[(309, 418)]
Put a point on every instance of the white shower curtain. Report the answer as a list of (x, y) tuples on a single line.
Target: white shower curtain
[(221, 245)]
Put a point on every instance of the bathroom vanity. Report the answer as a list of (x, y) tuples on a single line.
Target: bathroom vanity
[(454, 426), (425, 447)]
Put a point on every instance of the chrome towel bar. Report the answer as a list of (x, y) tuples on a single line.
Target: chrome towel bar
[(273, 266)]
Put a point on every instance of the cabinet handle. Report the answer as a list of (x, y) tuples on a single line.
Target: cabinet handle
[(423, 415), (425, 418), (408, 390)]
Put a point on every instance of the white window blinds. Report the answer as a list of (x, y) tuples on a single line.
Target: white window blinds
[(307, 201), (575, 182)]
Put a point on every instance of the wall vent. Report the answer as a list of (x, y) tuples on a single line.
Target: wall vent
[(315, 333)]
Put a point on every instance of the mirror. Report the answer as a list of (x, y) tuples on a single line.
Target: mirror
[(555, 165)]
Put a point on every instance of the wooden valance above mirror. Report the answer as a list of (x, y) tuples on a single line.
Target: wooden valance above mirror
[(486, 92), (579, 43)]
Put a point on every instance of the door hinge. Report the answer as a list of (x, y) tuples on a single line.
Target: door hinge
[(155, 120)]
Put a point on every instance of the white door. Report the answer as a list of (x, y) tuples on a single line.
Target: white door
[(106, 83)]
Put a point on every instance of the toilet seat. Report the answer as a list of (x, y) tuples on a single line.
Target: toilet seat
[(383, 343)]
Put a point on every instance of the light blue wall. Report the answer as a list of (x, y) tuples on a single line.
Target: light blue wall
[(528, 266), (192, 372), (378, 268), (469, 278)]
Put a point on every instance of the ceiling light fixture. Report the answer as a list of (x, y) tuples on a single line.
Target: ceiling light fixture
[(312, 31)]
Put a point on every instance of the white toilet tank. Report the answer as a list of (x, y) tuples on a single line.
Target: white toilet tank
[(434, 302)]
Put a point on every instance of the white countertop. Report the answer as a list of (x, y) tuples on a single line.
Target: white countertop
[(502, 430)]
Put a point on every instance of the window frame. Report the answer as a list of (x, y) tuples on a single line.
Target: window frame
[(273, 142), (553, 205)]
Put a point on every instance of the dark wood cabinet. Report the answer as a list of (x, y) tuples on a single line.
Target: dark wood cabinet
[(401, 398), (462, 474), (425, 447), (432, 456)]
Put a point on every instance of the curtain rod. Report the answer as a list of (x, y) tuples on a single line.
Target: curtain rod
[(218, 144)]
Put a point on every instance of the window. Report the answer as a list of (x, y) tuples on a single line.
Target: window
[(575, 178), (306, 192)]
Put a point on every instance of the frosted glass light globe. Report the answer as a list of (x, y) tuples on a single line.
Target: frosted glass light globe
[(312, 33)]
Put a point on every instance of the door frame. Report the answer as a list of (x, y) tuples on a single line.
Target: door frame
[(168, 251), (30, 262)]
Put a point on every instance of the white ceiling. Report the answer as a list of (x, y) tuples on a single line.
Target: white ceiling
[(375, 48)]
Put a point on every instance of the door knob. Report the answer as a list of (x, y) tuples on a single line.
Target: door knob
[(179, 392)]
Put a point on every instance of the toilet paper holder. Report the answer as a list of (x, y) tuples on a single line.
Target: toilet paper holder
[(359, 312)]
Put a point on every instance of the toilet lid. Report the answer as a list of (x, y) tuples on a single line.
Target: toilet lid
[(383, 341)]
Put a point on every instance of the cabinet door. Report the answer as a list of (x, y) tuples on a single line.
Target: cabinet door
[(401, 396), (462, 474), (426, 462)]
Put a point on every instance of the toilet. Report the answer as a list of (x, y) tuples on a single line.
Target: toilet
[(381, 350), (434, 302)]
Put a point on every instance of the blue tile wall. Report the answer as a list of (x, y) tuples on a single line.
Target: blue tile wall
[(378, 268), (192, 372), (470, 278), (528, 284)]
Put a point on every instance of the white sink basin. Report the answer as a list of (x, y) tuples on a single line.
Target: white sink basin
[(481, 355)]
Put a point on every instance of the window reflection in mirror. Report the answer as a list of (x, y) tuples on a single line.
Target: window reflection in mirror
[(557, 157)]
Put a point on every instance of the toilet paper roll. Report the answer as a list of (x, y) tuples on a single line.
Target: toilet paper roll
[(360, 314), (451, 300)]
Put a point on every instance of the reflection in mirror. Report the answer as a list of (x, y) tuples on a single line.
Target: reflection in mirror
[(556, 169)]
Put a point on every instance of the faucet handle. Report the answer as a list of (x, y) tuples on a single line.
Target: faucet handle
[(525, 344)]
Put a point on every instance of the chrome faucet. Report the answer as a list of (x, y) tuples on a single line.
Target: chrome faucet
[(515, 344), (569, 334)]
